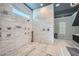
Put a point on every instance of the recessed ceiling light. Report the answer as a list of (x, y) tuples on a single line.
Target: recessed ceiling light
[(41, 4), (57, 5), (73, 4)]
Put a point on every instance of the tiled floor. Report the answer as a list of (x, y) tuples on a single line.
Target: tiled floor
[(40, 49)]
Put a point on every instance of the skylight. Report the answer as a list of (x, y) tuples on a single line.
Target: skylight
[(20, 13)]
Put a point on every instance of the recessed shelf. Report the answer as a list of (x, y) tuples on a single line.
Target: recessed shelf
[(18, 26), (0, 28), (25, 28), (43, 29), (8, 35), (9, 28), (0, 35), (25, 33), (48, 29), (28, 20)]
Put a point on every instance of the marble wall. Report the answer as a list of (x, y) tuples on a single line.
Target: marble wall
[(43, 22), (15, 31)]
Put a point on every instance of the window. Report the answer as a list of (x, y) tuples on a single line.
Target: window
[(62, 28)]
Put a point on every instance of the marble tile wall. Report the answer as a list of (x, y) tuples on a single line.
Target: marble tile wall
[(14, 32), (43, 22), (17, 31)]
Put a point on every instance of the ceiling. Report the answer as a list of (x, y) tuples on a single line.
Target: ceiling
[(64, 9), (60, 9), (34, 6)]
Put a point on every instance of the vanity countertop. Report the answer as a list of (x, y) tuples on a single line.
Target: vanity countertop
[(76, 34)]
